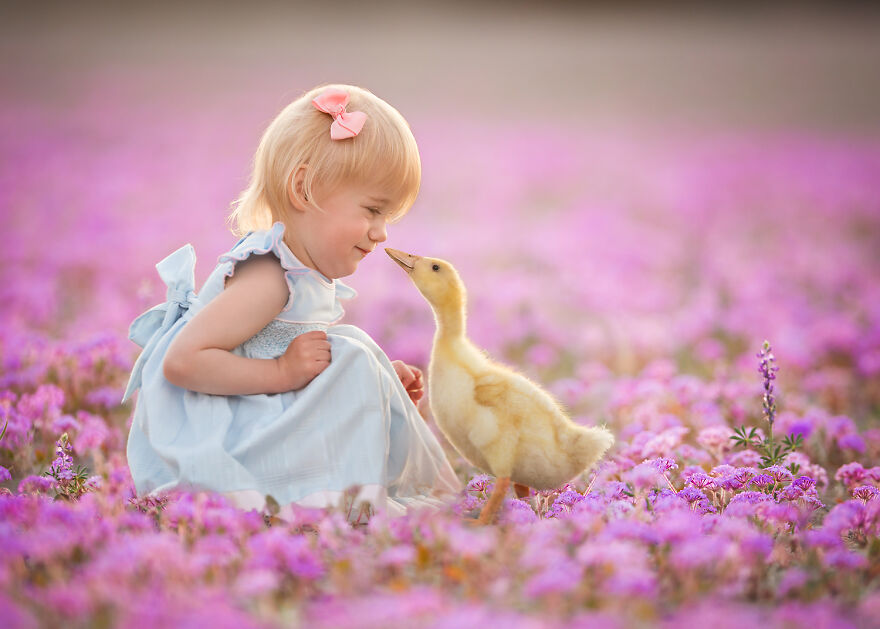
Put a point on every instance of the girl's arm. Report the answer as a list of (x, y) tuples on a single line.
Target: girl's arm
[(200, 357)]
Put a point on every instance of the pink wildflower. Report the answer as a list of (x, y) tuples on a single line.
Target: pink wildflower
[(850, 474), (865, 492)]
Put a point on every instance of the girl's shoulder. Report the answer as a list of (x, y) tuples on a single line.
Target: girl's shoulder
[(300, 278)]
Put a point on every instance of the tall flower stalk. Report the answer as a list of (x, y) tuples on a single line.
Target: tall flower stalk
[(70, 483), (768, 369), (771, 453)]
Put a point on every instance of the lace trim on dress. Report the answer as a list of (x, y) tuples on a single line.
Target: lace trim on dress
[(272, 340)]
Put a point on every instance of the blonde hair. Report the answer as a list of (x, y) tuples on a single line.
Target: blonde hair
[(384, 152)]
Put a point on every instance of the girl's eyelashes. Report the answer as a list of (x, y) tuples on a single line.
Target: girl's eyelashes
[(374, 210)]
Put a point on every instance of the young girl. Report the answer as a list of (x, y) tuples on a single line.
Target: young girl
[(249, 387)]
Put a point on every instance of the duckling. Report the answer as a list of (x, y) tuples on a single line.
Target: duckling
[(496, 418)]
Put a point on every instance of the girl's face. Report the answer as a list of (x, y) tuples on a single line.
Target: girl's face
[(352, 221)]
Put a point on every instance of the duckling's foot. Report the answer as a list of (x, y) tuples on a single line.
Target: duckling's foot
[(521, 491), (487, 515)]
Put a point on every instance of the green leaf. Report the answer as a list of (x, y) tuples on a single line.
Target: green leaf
[(793, 444), (3, 432)]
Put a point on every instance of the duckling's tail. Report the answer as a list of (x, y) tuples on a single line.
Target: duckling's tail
[(588, 445)]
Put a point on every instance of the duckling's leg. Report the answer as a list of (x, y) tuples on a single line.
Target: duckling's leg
[(487, 515), (500, 455), (521, 491)]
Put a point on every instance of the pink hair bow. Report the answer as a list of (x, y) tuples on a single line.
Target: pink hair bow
[(346, 124)]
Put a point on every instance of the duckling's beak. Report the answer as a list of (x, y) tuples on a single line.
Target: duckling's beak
[(406, 260)]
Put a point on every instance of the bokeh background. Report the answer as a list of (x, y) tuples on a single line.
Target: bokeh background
[(611, 165), (636, 197)]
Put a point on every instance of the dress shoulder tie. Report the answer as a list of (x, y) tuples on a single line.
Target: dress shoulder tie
[(178, 273)]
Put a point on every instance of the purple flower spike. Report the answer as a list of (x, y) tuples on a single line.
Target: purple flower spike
[(768, 370)]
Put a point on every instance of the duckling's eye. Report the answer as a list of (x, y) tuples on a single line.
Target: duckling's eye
[(436, 267)]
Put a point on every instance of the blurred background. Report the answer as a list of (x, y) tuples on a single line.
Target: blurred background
[(792, 64), (617, 185)]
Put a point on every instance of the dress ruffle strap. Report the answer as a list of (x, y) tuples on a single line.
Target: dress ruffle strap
[(344, 291), (263, 242), (178, 273)]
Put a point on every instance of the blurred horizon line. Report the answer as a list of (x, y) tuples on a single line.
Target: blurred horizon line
[(802, 65)]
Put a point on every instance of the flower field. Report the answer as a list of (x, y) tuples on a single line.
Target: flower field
[(635, 273)]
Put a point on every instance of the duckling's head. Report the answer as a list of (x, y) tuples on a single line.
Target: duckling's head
[(436, 279)]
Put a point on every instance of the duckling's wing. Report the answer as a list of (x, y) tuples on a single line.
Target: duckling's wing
[(492, 391), (513, 393), (493, 394)]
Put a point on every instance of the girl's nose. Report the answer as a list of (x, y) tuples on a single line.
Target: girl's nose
[(379, 233)]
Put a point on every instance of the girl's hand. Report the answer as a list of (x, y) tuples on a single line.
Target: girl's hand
[(411, 378), (307, 355)]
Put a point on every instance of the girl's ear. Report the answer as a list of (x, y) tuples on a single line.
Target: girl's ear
[(296, 189)]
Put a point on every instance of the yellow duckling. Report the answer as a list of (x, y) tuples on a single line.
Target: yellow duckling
[(496, 418)]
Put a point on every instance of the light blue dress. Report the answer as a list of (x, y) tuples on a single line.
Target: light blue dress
[(353, 424)]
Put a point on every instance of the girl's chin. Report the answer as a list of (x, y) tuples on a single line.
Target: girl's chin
[(343, 273), (340, 270)]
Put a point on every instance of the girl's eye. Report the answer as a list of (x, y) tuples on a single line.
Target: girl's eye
[(374, 210)]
